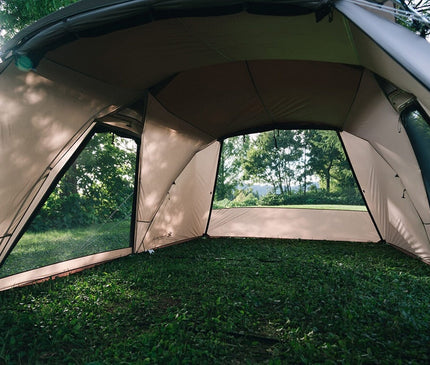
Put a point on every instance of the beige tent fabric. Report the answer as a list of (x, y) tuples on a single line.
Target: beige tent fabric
[(376, 60), (37, 193), (241, 96), (228, 73), (145, 55), (373, 119), (37, 109), (219, 99), (61, 268), (335, 225), (185, 210), (168, 144), (387, 198)]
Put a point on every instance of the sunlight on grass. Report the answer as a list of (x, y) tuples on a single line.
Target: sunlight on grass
[(361, 208), (35, 250)]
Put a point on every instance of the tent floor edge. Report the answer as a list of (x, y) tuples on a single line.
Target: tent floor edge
[(61, 269)]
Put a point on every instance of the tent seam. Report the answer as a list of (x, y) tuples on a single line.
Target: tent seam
[(258, 94), (206, 43), (348, 113), (182, 119)]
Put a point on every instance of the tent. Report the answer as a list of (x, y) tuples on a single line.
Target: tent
[(182, 75)]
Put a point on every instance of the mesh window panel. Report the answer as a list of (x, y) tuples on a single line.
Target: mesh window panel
[(88, 212), (287, 168)]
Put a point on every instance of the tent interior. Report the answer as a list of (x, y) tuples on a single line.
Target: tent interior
[(180, 77)]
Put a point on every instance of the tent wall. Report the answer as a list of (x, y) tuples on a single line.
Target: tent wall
[(184, 212), (168, 145), (314, 224), (58, 117), (387, 198), (61, 268), (373, 118), (387, 169)]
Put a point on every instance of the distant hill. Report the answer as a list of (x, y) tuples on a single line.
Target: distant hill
[(263, 189)]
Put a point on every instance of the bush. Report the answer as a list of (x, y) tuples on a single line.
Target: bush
[(67, 212), (312, 197), (245, 199)]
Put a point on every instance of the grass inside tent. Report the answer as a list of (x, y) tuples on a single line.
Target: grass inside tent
[(228, 301)]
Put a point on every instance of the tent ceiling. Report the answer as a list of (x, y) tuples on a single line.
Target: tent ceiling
[(94, 17), (139, 57), (229, 98)]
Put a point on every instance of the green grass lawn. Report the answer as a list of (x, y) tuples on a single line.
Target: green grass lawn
[(328, 207), (40, 249), (228, 301), (361, 208)]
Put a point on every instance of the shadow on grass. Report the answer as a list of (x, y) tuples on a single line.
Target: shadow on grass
[(228, 301)]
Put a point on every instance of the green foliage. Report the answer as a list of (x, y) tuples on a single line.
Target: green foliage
[(286, 160), (326, 156), (313, 197), (228, 301), (423, 8), (16, 14), (229, 170), (242, 199), (271, 159), (249, 199), (98, 187)]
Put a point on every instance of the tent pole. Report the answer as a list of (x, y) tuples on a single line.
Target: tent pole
[(221, 142), (136, 189)]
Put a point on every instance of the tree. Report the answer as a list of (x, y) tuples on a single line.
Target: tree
[(326, 155), (230, 166), (273, 158), (97, 187), (17, 14), (414, 23), (304, 168)]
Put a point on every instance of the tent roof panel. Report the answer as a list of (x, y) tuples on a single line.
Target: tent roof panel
[(243, 96), (89, 17), (139, 57)]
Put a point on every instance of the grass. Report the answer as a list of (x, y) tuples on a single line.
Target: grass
[(228, 301), (361, 208), (40, 249)]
